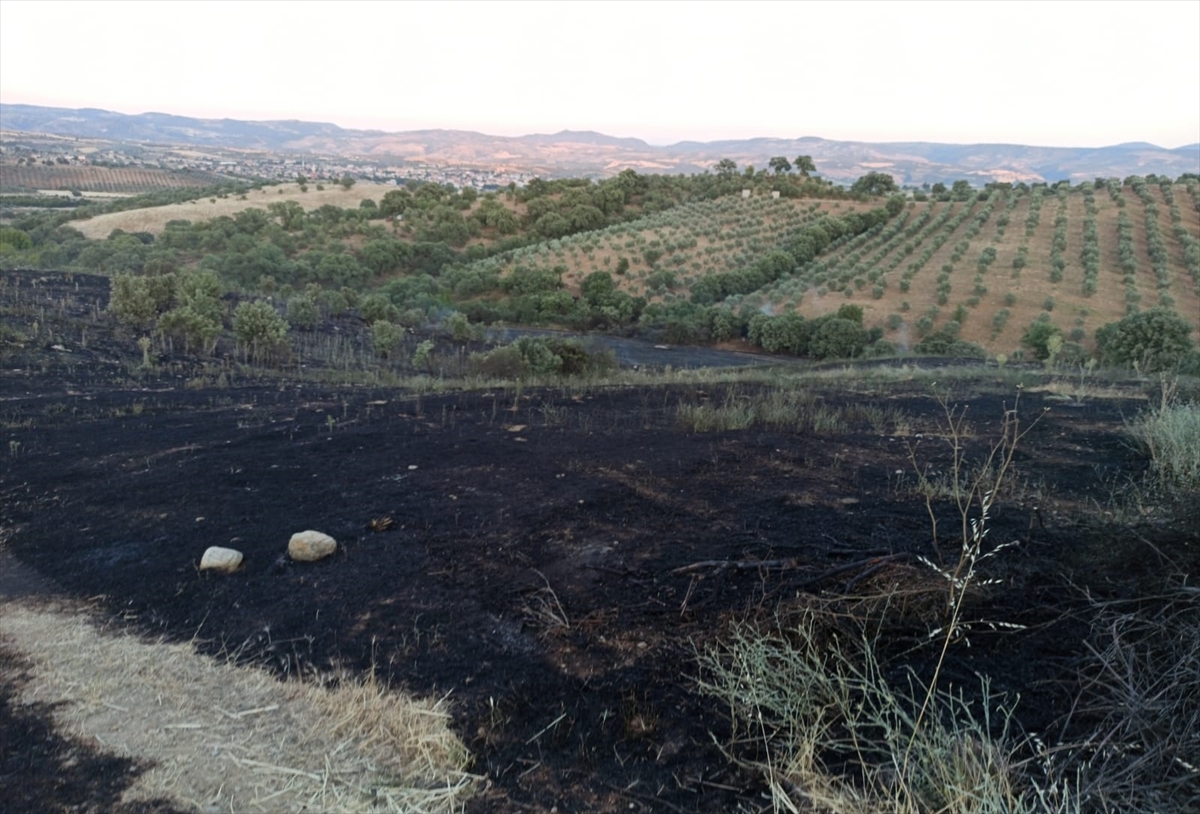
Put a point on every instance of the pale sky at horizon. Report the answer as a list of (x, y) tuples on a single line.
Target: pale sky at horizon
[(1078, 74)]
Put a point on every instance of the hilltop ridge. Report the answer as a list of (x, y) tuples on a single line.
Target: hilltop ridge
[(572, 152)]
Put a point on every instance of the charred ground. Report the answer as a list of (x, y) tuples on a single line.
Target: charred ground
[(538, 553)]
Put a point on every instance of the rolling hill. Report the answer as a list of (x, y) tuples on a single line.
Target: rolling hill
[(1080, 258), (587, 153)]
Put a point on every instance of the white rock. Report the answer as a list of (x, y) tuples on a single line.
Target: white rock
[(221, 560), (308, 546)]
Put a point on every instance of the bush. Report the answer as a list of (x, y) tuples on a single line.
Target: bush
[(386, 337), (945, 342), (837, 338), (500, 363), (459, 327), (1150, 340), (138, 301), (192, 327), (260, 330), (1039, 338), (302, 312), (1170, 436), (542, 356), (376, 307)]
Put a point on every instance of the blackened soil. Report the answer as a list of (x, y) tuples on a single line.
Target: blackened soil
[(538, 555)]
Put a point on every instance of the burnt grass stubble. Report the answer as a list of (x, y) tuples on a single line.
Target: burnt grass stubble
[(113, 485)]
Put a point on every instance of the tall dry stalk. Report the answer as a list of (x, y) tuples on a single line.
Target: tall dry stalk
[(971, 494)]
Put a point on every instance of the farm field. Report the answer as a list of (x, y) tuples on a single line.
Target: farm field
[(550, 560), (125, 181), (154, 219), (1080, 258), (666, 252)]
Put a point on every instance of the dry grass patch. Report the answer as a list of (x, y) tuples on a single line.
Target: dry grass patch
[(154, 219), (220, 737)]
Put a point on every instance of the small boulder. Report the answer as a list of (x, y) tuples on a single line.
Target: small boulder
[(309, 546), (221, 560)]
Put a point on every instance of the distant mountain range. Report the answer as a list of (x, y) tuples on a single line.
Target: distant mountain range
[(590, 153)]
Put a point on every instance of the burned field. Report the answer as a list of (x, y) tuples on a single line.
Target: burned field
[(553, 559)]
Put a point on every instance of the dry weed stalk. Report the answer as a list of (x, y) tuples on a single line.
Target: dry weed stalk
[(979, 492), (1143, 689), (543, 607)]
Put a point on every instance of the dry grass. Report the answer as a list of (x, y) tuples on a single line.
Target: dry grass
[(812, 712), (220, 737), (154, 219)]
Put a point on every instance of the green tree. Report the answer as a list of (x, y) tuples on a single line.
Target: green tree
[(376, 307), (347, 181), (260, 331), (302, 312), (395, 202), (725, 168), (291, 214), (14, 240), (1040, 338), (837, 339), (202, 291), (805, 165), (779, 165), (1157, 339), (386, 337), (138, 301), (459, 326), (385, 255), (874, 183), (192, 328)]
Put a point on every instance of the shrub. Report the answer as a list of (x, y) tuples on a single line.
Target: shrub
[(376, 307), (302, 312), (1151, 340), (459, 326), (1039, 338), (837, 338), (422, 353), (192, 327), (138, 301), (260, 330), (1170, 436), (500, 363), (386, 337)]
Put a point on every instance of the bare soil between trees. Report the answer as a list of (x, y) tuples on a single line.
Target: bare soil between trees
[(549, 558)]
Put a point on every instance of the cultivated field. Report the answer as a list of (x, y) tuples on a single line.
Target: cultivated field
[(668, 251), (126, 181), (1083, 258)]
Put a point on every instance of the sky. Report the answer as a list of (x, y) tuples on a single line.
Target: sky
[(1072, 74)]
